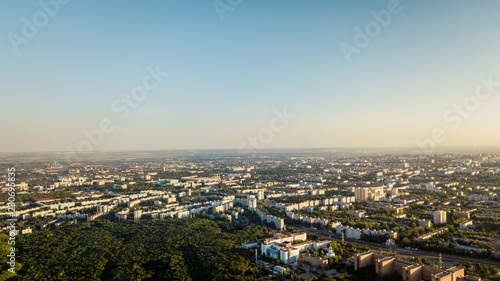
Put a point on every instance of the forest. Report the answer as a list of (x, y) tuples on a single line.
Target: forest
[(168, 249)]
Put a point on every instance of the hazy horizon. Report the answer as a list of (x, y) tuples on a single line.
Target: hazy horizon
[(262, 75), (439, 149)]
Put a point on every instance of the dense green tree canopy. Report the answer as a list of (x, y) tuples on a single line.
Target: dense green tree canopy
[(171, 249)]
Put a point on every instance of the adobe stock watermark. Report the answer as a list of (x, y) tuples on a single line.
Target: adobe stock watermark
[(122, 107), (223, 6), (363, 37), (277, 124), (458, 113), (31, 27), (11, 204)]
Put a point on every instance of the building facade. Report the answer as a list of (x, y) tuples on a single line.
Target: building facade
[(495, 246), (439, 217), (409, 271), (365, 194)]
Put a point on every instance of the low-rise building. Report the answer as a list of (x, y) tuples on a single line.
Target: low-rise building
[(409, 271), (425, 223), (465, 224), (394, 209), (314, 260)]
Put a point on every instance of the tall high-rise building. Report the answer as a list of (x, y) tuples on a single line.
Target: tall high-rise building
[(361, 194), (260, 195), (252, 202), (439, 217), (103, 209), (364, 194), (137, 214)]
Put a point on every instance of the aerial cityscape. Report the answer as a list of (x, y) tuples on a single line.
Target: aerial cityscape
[(250, 140), (292, 214)]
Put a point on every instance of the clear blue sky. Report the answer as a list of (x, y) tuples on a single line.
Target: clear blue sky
[(226, 77)]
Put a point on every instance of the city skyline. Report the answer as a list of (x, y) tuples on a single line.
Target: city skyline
[(218, 78), (250, 140)]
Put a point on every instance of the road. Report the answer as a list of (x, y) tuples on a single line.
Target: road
[(399, 251)]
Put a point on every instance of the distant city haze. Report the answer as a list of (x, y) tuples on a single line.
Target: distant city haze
[(435, 65)]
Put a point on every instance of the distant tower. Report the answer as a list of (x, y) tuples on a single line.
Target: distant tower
[(342, 237), (440, 261)]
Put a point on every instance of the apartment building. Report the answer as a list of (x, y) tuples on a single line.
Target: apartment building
[(365, 194), (465, 224), (465, 214), (137, 214), (424, 223), (397, 209), (439, 217), (495, 246)]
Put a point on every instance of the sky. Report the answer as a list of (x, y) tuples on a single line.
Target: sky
[(241, 74)]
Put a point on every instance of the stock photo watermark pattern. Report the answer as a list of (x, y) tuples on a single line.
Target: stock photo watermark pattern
[(223, 6), (121, 107), (277, 123), (229, 140), (363, 37), (11, 209), (459, 112), (31, 26)]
